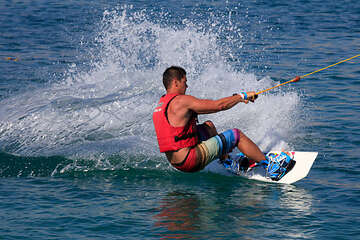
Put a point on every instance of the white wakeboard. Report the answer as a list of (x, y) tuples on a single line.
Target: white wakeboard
[(299, 170)]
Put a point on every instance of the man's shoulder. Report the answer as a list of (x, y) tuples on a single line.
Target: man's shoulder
[(185, 97), (181, 102)]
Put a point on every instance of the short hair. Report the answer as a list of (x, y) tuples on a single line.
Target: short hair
[(173, 72)]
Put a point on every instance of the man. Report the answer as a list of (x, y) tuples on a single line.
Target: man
[(190, 147)]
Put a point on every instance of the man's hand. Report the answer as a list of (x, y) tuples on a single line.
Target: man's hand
[(251, 96)]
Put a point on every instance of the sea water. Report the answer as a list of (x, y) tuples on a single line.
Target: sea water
[(79, 81)]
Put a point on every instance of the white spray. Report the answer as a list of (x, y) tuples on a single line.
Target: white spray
[(107, 109)]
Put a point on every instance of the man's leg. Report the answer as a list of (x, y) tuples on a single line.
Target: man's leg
[(245, 145), (221, 144), (276, 166), (249, 148)]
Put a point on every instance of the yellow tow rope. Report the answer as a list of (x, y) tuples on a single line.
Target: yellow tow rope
[(298, 78)]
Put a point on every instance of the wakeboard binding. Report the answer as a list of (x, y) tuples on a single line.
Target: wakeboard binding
[(276, 165)]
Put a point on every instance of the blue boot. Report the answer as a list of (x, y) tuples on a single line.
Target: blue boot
[(278, 165), (238, 163)]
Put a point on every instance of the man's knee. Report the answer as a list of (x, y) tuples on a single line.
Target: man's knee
[(209, 124), (240, 134), (210, 127)]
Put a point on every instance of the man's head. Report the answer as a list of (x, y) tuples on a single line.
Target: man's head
[(174, 75)]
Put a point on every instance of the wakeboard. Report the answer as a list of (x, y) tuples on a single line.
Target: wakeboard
[(297, 169)]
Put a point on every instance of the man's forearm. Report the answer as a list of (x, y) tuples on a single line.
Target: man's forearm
[(228, 102)]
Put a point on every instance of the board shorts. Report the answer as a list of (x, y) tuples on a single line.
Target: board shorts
[(209, 149)]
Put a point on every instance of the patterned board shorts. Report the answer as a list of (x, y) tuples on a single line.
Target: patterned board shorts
[(209, 149)]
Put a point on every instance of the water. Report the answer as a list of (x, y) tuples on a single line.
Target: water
[(78, 83)]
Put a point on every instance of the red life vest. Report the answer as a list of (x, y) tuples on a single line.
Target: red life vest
[(173, 138)]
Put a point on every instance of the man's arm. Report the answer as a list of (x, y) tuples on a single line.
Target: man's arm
[(205, 106)]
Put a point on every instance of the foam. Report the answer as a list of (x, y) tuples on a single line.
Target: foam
[(107, 107)]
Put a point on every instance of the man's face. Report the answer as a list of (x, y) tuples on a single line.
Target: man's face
[(182, 84)]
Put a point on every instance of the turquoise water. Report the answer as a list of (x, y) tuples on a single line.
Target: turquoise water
[(79, 80)]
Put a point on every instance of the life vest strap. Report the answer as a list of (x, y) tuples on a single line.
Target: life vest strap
[(185, 136)]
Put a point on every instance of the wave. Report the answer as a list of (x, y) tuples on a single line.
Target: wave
[(58, 166), (105, 108)]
